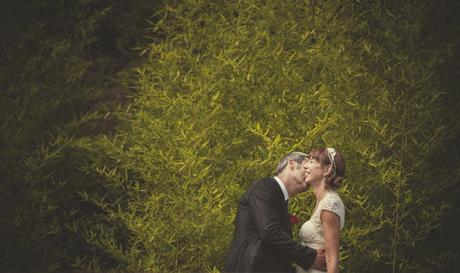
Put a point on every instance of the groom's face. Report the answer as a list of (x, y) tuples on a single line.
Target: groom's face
[(298, 174)]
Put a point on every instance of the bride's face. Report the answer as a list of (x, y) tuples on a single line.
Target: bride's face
[(315, 172)]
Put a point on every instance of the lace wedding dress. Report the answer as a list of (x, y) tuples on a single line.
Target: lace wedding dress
[(311, 233)]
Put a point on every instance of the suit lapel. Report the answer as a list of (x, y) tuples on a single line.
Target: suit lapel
[(284, 211), (289, 226)]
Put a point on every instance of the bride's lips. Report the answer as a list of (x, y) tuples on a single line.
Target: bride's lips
[(307, 174)]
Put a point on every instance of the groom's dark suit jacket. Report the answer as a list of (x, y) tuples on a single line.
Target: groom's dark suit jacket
[(262, 239)]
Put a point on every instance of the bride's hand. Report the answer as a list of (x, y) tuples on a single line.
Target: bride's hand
[(320, 261)]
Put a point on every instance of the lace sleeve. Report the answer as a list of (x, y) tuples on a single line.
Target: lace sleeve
[(336, 206)]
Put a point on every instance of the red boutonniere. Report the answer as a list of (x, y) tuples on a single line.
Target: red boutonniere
[(294, 219)]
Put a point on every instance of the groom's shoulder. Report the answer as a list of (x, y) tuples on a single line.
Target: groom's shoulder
[(263, 182)]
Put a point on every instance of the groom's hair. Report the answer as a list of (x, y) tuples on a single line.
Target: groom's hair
[(298, 157)]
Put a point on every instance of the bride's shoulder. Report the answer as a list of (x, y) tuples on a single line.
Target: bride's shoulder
[(332, 195), (332, 200)]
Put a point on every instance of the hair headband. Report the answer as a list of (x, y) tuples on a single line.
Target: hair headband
[(331, 155)]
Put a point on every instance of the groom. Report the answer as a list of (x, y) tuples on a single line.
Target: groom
[(262, 240)]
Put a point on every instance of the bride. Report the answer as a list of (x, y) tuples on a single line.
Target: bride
[(324, 172)]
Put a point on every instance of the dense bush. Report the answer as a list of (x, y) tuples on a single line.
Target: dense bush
[(225, 89), (59, 64), (235, 85)]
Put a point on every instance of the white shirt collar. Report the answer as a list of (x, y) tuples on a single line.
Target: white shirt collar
[(283, 188)]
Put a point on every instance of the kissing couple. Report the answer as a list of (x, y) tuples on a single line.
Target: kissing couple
[(262, 239)]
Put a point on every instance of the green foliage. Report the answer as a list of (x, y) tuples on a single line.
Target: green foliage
[(235, 85), (55, 70), (224, 90)]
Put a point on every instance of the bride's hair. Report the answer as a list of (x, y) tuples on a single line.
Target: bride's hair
[(323, 157)]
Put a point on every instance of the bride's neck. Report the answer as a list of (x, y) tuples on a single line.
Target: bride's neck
[(319, 191)]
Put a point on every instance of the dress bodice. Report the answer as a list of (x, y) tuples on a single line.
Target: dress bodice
[(311, 233)]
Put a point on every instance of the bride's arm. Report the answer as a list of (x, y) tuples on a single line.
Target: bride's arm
[(331, 227)]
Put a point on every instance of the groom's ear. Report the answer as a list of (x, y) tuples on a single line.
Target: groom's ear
[(292, 163)]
